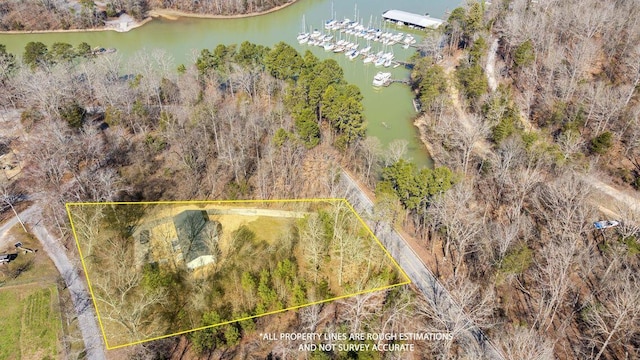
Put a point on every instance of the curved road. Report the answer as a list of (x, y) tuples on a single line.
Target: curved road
[(444, 304), (87, 321)]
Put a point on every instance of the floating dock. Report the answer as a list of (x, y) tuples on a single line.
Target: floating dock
[(406, 18)]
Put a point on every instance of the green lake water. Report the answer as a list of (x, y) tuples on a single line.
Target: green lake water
[(389, 111)]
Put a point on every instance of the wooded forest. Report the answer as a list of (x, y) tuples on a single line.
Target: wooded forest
[(536, 104), (241, 122), (85, 14)]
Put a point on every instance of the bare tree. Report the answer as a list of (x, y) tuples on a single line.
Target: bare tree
[(460, 224), (614, 315), (525, 344), (122, 304), (361, 309)]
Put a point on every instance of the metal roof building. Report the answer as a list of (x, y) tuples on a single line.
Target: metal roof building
[(422, 21)]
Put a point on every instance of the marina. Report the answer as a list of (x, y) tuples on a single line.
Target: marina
[(349, 34)]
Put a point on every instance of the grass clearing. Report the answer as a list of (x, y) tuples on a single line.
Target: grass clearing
[(40, 325), (271, 229), (30, 325), (10, 324)]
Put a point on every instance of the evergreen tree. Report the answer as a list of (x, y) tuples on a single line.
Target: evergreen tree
[(62, 52), (7, 63), (283, 62), (473, 81), (524, 54), (35, 53)]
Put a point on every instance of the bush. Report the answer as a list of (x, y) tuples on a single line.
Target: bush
[(524, 54), (633, 247), (111, 10), (30, 117), (602, 143), (74, 115), (515, 262)]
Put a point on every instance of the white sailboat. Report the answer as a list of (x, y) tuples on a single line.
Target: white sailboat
[(369, 58), (303, 36), (329, 24)]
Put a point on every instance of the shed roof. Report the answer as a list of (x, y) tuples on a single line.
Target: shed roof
[(411, 18)]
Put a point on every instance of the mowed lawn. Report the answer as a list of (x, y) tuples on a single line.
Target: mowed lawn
[(29, 324), (10, 324)]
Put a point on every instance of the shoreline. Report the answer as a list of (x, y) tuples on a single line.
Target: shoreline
[(170, 14), (167, 14), (419, 121)]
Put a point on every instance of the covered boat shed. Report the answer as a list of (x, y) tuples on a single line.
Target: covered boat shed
[(407, 18)]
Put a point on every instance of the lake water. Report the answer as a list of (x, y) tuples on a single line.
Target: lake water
[(389, 111)]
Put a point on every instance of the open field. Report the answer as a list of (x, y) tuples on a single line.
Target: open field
[(10, 324), (161, 269), (30, 325)]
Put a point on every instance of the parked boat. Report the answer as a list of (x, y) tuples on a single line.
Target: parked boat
[(369, 58), (329, 24), (381, 78), (303, 36)]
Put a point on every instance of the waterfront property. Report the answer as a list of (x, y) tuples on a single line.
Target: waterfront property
[(178, 39), (411, 19)]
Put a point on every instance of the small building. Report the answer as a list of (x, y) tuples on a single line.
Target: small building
[(6, 258), (407, 18), (196, 233)]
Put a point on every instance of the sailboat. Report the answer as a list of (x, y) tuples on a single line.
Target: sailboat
[(369, 58), (303, 37), (330, 24)]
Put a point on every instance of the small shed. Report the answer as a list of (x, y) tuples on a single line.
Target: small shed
[(6, 258), (420, 21)]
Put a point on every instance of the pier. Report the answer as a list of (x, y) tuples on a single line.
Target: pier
[(396, 81)]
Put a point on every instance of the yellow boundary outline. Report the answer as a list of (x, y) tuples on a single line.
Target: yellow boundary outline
[(93, 298)]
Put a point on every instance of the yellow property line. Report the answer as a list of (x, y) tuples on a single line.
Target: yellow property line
[(407, 280), (93, 298), (259, 315), (86, 274)]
